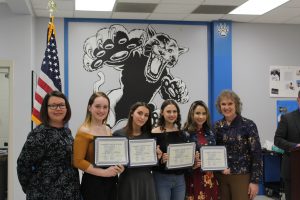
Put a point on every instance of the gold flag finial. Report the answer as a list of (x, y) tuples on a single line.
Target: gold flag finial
[(51, 7)]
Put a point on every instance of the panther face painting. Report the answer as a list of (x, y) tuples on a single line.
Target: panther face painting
[(163, 52), (144, 59)]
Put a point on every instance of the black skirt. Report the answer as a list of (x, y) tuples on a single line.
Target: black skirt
[(98, 188), (136, 184)]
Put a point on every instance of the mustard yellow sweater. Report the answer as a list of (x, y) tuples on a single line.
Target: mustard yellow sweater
[(83, 152)]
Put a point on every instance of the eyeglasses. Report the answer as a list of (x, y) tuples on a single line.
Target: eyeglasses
[(56, 106)]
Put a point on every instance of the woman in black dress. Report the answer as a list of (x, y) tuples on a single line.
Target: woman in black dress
[(44, 165), (137, 183)]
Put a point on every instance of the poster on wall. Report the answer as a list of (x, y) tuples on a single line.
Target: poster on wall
[(284, 81), (134, 62)]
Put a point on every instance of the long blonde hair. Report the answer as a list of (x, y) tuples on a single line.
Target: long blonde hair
[(88, 116), (230, 95)]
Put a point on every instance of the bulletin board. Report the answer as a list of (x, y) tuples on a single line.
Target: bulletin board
[(284, 81)]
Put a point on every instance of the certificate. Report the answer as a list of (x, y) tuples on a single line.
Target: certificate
[(142, 152), (181, 155), (111, 151), (213, 158)]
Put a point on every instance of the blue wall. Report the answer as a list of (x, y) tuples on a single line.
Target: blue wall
[(220, 73)]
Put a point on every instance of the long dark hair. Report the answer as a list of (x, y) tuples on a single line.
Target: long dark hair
[(146, 128), (190, 124), (161, 120), (44, 107)]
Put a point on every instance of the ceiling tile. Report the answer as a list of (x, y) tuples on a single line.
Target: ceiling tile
[(60, 4), (288, 13), (292, 4), (183, 1), (162, 16), (239, 18), (222, 2), (295, 20), (42, 13), (65, 5), (94, 14), (57, 14), (279, 15), (135, 7), (39, 4), (64, 13), (125, 15), (139, 1), (175, 8), (212, 9), (203, 17)]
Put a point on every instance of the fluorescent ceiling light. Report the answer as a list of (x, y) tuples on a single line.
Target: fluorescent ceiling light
[(257, 7), (94, 5)]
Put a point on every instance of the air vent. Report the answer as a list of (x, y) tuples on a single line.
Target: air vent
[(135, 7), (211, 9)]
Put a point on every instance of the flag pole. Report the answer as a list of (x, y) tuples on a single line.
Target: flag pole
[(32, 94), (49, 78), (52, 8)]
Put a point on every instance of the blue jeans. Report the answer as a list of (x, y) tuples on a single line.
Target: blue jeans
[(169, 186)]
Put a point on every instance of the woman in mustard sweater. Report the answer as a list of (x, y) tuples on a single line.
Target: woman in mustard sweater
[(97, 183)]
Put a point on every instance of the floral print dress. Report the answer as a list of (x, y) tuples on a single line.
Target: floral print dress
[(202, 185)]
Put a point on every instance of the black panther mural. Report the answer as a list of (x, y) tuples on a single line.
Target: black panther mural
[(144, 59)]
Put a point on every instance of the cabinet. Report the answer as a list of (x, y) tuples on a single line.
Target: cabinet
[(3, 176), (272, 184)]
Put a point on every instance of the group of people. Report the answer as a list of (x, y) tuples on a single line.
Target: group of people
[(48, 164)]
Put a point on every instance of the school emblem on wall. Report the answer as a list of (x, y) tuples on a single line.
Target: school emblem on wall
[(223, 29)]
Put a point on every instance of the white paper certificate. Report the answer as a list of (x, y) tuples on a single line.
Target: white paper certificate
[(213, 158), (142, 152), (181, 155), (111, 151)]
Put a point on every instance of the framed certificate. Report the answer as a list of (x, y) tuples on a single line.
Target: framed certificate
[(142, 152), (213, 158), (181, 155), (111, 151)]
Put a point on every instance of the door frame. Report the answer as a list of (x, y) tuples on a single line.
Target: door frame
[(10, 169)]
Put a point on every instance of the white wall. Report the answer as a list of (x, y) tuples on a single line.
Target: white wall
[(16, 45), (23, 40), (255, 47)]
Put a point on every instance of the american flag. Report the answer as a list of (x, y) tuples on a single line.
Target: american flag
[(49, 78)]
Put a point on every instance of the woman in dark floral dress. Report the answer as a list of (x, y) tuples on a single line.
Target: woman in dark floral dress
[(200, 185), (44, 165)]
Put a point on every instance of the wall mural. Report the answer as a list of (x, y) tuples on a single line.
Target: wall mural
[(144, 59), (134, 63)]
